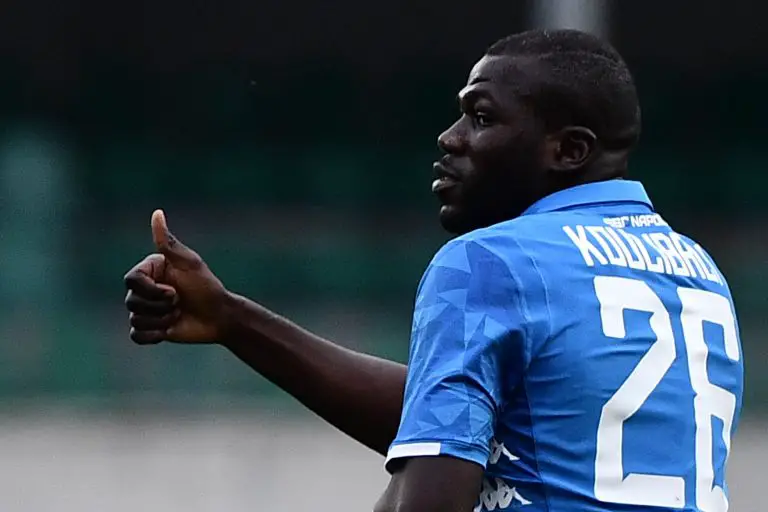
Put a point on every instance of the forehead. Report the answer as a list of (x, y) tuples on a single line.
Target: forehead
[(501, 75)]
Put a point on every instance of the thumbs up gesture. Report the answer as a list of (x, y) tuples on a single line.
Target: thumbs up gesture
[(172, 295)]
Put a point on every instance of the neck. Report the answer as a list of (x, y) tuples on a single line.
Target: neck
[(600, 170)]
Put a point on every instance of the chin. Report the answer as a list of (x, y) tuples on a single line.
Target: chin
[(454, 221), (458, 221)]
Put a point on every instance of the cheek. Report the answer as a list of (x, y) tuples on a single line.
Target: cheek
[(500, 142), (494, 155), (504, 165)]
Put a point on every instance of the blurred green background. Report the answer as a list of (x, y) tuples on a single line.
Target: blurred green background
[(290, 143), (301, 172)]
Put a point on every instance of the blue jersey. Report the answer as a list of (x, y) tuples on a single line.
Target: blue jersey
[(585, 354)]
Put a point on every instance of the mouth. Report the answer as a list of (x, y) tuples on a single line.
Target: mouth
[(445, 177)]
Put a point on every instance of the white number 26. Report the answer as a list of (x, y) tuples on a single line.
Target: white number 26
[(616, 295)]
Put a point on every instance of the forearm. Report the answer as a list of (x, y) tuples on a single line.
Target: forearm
[(359, 394)]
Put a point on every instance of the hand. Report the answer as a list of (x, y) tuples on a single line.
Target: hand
[(172, 295)]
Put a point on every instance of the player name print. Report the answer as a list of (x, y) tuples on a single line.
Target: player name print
[(654, 251)]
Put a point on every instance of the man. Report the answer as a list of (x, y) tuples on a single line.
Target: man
[(570, 351)]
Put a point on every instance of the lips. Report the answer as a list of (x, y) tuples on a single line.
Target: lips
[(442, 170), (445, 177)]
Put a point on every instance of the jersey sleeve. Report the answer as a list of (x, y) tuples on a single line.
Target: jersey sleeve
[(468, 346)]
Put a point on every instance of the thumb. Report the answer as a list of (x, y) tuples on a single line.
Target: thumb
[(167, 244)]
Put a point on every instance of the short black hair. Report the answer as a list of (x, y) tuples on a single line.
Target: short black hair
[(579, 79)]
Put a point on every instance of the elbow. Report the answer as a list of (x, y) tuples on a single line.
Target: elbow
[(387, 504), (395, 506), (389, 508), (383, 506)]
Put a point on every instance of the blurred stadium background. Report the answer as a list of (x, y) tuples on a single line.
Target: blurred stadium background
[(290, 142)]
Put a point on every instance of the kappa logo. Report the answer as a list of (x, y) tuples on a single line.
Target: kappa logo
[(499, 496)]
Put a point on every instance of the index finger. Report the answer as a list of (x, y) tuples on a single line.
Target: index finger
[(141, 279)]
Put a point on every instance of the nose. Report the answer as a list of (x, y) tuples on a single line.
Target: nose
[(451, 141)]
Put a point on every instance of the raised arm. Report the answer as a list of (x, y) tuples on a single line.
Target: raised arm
[(359, 394), (173, 296)]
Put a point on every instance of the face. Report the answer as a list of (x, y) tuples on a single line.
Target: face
[(492, 168)]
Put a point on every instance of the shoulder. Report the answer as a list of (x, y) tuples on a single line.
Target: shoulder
[(476, 253), (491, 272), (470, 261), (501, 257), (515, 258), (511, 242)]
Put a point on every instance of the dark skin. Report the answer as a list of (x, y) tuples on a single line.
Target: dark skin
[(499, 159)]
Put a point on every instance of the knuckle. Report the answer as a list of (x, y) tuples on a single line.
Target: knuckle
[(132, 303), (129, 279), (149, 321), (142, 337)]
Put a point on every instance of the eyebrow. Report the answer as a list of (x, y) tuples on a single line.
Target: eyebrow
[(473, 94)]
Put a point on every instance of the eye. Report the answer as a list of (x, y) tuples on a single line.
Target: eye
[(482, 119)]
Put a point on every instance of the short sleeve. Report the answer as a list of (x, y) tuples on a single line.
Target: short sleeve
[(467, 346)]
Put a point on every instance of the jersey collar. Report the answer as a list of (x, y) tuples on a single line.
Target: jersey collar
[(612, 191)]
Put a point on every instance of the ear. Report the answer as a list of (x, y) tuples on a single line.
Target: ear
[(570, 148)]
